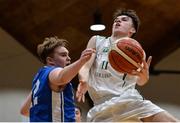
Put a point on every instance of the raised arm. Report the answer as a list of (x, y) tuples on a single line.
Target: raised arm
[(84, 72), (62, 76)]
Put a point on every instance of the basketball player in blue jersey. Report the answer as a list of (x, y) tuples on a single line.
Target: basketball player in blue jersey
[(52, 99), (114, 94)]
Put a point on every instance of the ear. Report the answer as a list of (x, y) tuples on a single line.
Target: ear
[(50, 61), (133, 30)]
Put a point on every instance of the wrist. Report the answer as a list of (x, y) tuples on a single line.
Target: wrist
[(82, 81)]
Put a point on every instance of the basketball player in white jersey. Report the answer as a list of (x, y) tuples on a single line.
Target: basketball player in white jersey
[(114, 95)]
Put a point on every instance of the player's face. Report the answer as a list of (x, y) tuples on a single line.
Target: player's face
[(78, 115), (61, 57), (123, 25)]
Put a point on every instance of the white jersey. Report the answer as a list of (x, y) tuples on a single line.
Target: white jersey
[(110, 91)]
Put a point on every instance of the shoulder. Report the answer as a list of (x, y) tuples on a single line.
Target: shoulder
[(44, 71), (54, 79), (98, 37), (55, 71), (47, 68), (93, 41)]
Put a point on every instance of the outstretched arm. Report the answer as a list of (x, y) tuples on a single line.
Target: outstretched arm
[(62, 76), (84, 72)]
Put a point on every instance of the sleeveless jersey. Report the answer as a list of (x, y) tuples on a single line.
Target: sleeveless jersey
[(50, 106), (114, 95), (104, 81)]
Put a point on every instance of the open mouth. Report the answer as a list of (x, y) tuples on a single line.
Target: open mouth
[(117, 25), (68, 63)]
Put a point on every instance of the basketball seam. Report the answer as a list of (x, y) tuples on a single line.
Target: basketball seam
[(125, 56), (126, 59), (123, 62)]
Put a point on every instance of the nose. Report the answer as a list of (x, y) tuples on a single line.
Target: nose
[(118, 21), (68, 58)]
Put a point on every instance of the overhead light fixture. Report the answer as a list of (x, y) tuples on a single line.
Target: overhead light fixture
[(97, 26)]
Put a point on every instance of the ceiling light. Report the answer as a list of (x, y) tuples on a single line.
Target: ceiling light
[(97, 26)]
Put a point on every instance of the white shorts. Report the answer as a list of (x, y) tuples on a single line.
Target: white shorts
[(130, 106)]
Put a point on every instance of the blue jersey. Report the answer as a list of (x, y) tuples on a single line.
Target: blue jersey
[(50, 106)]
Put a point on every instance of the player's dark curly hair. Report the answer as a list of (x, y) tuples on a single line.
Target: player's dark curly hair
[(47, 47), (130, 13)]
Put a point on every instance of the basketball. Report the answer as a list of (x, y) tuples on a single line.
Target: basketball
[(125, 54)]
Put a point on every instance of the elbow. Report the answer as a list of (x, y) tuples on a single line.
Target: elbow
[(24, 112)]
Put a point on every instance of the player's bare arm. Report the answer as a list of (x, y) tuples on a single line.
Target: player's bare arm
[(62, 76), (26, 106), (84, 72)]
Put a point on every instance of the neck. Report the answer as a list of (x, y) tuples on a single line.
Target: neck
[(50, 64), (115, 37)]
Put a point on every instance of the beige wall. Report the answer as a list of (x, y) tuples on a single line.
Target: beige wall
[(11, 100)]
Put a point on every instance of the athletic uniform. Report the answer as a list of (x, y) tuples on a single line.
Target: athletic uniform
[(114, 95), (50, 106)]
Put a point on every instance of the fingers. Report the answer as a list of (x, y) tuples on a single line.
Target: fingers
[(80, 96), (87, 54), (149, 60), (89, 51), (81, 91), (145, 64), (135, 72), (140, 67), (83, 98)]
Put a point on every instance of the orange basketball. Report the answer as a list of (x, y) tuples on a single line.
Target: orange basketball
[(125, 54)]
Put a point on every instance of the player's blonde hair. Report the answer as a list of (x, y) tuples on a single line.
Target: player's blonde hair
[(47, 47)]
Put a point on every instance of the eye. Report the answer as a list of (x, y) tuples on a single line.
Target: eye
[(77, 112), (116, 20), (125, 19), (64, 55)]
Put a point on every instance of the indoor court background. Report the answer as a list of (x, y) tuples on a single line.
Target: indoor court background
[(24, 24)]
